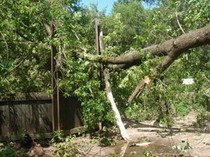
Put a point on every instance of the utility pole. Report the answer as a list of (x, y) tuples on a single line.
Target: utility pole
[(55, 88), (51, 30)]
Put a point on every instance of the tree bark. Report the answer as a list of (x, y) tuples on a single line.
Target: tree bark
[(172, 48), (155, 72), (178, 45)]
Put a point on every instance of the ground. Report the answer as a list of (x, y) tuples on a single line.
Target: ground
[(183, 139)]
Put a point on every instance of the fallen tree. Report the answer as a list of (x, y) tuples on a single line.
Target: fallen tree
[(180, 44), (172, 49)]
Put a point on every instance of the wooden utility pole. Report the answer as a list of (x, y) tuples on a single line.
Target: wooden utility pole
[(55, 91), (55, 88), (51, 30)]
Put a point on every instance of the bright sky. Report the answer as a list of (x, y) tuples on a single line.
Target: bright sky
[(107, 4)]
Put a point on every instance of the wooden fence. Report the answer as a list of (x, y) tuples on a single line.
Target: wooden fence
[(32, 113)]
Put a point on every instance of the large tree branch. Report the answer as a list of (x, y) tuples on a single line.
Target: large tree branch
[(172, 48), (155, 72), (180, 44), (179, 47)]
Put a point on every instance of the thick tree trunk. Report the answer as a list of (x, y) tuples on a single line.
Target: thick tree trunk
[(180, 44)]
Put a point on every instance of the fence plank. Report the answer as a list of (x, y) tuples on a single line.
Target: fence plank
[(71, 115), (45, 115), (32, 113), (16, 119), (4, 118)]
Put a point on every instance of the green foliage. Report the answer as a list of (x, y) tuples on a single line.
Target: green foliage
[(58, 136), (107, 141), (25, 52), (148, 153), (202, 119), (123, 26), (25, 55), (26, 46), (7, 151), (81, 80), (106, 136), (67, 148), (182, 109), (167, 95)]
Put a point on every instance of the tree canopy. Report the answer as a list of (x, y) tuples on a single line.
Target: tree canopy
[(138, 43)]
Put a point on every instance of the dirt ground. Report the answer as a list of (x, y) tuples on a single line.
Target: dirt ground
[(149, 139), (183, 139), (193, 142)]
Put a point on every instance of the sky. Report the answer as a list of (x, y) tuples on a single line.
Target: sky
[(107, 4)]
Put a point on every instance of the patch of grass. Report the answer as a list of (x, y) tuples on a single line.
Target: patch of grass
[(202, 119)]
